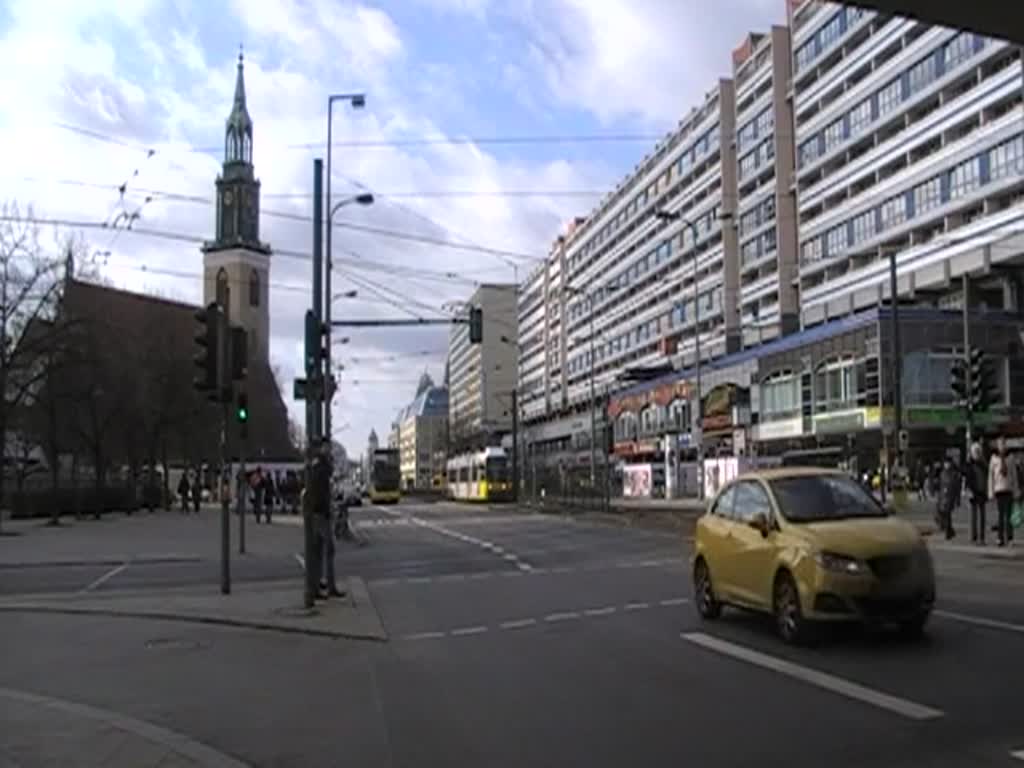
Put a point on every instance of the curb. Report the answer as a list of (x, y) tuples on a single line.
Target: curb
[(176, 742), (190, 619), (104, 561)]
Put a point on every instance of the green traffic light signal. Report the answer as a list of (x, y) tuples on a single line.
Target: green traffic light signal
[(242, 410)]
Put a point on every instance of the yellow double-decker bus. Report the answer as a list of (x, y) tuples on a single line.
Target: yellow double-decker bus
[(385, 476)]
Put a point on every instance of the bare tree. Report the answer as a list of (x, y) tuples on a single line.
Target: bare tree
[(30, 284)]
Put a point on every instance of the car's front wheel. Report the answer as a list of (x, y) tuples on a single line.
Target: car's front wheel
[(789, 617), (704, 593)]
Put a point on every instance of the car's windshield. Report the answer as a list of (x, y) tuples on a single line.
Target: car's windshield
[(823, 497)]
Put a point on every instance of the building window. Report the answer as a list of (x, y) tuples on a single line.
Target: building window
[(831, 32), (864, 227), (836, 240), (780, 397), (834, 135), (769, 241), (810, 251), (839, 385), (860, 117), (922, 74), (894, 211), (748, 164), (1006, 159), (890, 97), (768, 210), (221, 292), (958, 50), (927, 196), (810, 150), (254, 288), (964, 178), (749, 251), (748, 222), (805, 54)]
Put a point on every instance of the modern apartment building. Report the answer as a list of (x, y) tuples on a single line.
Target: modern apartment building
[(849, 150), (482, 377)]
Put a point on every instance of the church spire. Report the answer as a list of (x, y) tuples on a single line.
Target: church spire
[(238, 130)]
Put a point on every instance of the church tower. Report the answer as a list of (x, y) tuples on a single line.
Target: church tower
[(236, 258)]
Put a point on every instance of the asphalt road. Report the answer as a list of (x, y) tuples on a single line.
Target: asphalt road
[(525, 640)]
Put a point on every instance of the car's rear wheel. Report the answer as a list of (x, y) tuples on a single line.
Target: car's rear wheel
[(703, 592), (789, 617)]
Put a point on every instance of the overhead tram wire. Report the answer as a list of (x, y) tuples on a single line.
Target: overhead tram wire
[(374, 266)]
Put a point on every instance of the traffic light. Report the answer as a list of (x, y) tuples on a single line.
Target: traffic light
[(959, 382), (207, 356), (239, 354), (314, 345), (476, 325), (242, 408), (984, 391)]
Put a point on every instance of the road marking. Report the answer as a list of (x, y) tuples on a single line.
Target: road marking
[(425, 636), (636, 606), (96, 583), (563, 616), (517, 623), (452, 577), (478, 576), (1018, 755), (828, 682), (301, 561), (421, 580), (467, 631), (980, 621), (466, 538), (674, 601), (599, 611)]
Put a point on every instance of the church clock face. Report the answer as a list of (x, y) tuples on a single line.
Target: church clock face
[(229, 197)]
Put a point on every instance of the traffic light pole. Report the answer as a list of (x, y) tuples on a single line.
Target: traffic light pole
[(224, 382), (968, 384), (243, 488)]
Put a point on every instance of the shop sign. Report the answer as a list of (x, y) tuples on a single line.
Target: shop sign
[(718, 408), (845, 421), (662, 395), (780, 430)]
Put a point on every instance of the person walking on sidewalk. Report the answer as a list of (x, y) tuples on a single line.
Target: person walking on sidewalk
[(197, 493), (949, 496), (976, 479), (183, 492), (1002, 482)]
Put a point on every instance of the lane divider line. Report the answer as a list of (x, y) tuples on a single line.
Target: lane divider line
[(979, 621), (823, 680), (97, 583), (1018, 755), (551, 618)]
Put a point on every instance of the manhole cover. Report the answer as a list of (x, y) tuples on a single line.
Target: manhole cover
[(173, 643)]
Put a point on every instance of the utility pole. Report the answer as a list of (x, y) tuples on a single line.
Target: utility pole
[(897, 364), (242, 417), (515, 445), (965, 281), (223, 392), (314, 376)]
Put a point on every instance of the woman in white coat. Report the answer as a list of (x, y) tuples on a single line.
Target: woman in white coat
[(1002, 487)]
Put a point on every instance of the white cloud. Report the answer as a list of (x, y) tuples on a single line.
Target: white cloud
[(635, 59), (177, 98)]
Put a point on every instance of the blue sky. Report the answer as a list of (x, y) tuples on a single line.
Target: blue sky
[(158, 74)]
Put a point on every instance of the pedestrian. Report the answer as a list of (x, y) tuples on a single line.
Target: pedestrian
[(949, 496), (1002, 481), (976, 480), (323, 516), (255, 487), (183, 492), (197, 493), (267, 489)]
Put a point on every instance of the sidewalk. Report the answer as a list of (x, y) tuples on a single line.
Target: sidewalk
[(274, 606), (42, 730)]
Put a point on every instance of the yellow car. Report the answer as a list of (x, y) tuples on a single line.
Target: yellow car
[(810, 545)]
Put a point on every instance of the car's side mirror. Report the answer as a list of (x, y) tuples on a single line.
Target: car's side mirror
[(760, 522)]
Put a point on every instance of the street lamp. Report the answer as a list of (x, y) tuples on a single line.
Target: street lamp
[(358, 101), (695, 430)]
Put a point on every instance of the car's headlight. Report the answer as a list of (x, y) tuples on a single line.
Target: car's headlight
[(831, 561)]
